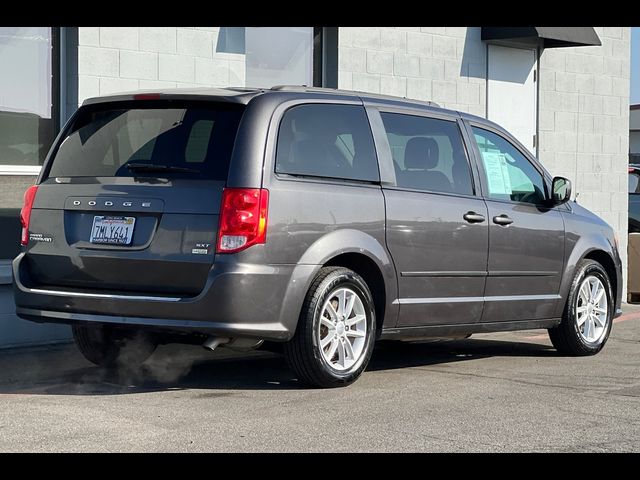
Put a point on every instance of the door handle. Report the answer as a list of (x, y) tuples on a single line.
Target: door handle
[(502, 220), (473, 217)]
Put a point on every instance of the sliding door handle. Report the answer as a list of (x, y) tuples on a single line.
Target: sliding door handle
[(473, 217), (502, 220)]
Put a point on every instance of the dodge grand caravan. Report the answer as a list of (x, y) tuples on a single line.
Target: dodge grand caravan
[(322, 219)]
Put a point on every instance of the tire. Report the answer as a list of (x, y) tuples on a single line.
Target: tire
[(112, 347), (570, 338), (304, 353)]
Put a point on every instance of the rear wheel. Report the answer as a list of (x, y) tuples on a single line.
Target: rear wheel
[(588, 315), (336, 330), (109, 347)]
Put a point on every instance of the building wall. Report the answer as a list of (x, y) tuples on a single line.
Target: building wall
[(115, 59), (583, 98), (584, 123), (444, 64)]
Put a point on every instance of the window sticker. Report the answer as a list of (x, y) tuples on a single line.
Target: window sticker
[(495, 164)]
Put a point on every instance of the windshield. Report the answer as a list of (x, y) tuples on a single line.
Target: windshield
[(132, 139)]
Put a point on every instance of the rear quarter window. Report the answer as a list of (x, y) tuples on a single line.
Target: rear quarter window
[(327, 140), (192, 139)]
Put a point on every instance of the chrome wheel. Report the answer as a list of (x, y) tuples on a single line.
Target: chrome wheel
[(592, 312), (342, 329)]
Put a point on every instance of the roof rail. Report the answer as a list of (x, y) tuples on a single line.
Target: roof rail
[(305, 88)]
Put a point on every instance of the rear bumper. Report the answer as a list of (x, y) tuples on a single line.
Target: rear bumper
[(238, 300)]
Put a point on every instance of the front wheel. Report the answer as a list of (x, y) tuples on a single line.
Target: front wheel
[(336, 330), (588, 315), (110, 347)]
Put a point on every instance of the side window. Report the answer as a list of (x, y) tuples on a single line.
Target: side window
[(327, 140), (510, 175), (634, 183), (428, 154)]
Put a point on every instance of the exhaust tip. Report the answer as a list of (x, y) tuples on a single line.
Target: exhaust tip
[(212, 343)]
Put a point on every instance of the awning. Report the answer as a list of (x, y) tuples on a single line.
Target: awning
[(551, 37)]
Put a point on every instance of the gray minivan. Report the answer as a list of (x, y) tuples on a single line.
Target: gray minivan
[(319, 218)]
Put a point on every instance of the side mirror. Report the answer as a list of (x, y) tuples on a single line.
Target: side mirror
[(560, 191)]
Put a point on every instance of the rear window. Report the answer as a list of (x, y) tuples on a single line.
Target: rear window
[(132, 139)]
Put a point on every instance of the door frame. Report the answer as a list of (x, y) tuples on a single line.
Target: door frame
[(388, 182), (547, 180)]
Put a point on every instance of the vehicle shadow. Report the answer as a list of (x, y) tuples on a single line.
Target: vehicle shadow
[(256, 371)]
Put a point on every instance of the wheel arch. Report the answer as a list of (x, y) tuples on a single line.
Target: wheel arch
[(604, 259), (371, 274), (357, 251), (597, 251)]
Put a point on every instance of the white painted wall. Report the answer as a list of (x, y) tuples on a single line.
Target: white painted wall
[(113, 59), (511, 91)]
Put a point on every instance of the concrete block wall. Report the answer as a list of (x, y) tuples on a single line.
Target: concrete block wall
[(443, 64), (584, 123), (113, 59)]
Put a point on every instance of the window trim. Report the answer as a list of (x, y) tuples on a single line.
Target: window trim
[(34, 170), (274, 133), (546, 177), (435, 116), (345, 182)]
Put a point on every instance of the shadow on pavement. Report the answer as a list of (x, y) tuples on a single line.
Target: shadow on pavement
[(166, 371)]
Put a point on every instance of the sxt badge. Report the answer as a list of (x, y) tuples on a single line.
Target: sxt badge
[(201, 249)]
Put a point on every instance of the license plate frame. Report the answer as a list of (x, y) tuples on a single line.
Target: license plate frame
[(116, 230)]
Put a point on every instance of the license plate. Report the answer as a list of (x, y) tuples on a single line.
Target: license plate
[(112, 230)]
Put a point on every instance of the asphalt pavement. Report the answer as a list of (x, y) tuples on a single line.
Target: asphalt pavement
[(501, 392)]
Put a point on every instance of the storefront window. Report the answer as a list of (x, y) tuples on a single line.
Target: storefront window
[(27, 123), (278, 56)]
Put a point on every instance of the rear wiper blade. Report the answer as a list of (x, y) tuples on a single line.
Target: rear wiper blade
[(150, 167)]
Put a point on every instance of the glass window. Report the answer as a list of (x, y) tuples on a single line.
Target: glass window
[(231, 40), (634, 183), (428, 154), (278, 56), (510, 175), (27, 126), (327, 141), (184, 140), (198, 142)]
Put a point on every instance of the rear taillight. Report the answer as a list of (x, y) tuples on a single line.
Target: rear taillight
[(25, 213), (243, 219), (146, 96)]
